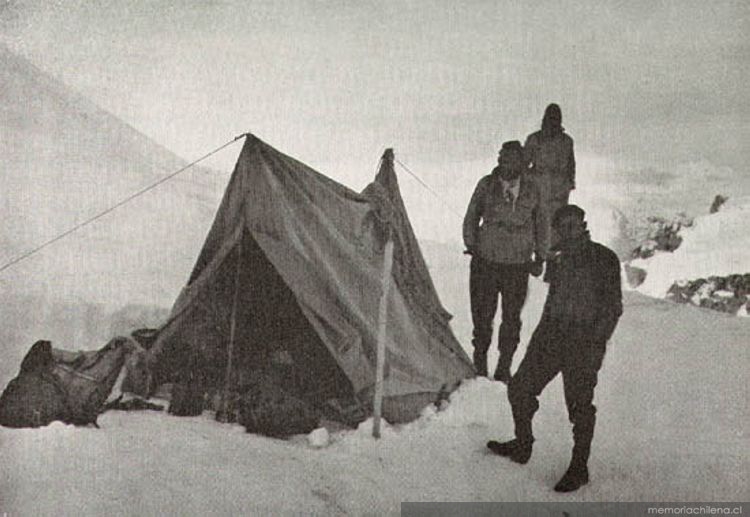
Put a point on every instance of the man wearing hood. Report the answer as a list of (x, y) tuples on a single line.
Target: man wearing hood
[(500, 233), (583, 305), (552, 167)]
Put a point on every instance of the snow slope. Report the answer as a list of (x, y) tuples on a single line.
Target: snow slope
[(717, 245), (63, 161), (671, 427)]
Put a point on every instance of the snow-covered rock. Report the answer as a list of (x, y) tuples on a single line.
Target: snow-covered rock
[(718, 201), (726, 294), (715, 246), (662, 234), (634, 276)]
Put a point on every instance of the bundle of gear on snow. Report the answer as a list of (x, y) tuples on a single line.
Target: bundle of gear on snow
[(267, 408), (265, 401), (59, 385)]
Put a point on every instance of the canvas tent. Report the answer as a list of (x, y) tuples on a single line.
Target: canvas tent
[(290, 275)]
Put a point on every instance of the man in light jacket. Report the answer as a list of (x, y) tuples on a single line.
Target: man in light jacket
[(500, 232)]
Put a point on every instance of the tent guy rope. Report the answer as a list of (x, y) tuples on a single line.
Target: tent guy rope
[(117, 205), (428, 188), (146, 189)]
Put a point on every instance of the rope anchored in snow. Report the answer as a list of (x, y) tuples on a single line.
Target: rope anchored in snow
[(116, 206)]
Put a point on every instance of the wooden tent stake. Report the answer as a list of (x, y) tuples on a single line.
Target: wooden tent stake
[(223, 414), (382, 316)]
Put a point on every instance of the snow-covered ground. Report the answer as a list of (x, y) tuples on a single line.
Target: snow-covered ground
[(672, 401)]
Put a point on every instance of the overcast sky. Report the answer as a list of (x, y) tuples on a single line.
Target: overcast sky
[(651, 82)]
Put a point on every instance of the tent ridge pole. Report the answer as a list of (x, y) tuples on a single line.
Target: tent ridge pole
[(382, 327)]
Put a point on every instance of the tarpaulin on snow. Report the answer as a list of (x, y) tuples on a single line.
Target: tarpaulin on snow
[(56, 384)]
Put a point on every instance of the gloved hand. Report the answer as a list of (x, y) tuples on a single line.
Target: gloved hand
[(536, 267)]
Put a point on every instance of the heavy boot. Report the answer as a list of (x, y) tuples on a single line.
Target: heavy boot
[(575, 477), (480, 362), (516, 450)]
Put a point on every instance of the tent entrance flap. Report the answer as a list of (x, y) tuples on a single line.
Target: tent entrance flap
[(272, 336), (273, 332)]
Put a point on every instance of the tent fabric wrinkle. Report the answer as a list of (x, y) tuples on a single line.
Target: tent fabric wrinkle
[(311, 285)]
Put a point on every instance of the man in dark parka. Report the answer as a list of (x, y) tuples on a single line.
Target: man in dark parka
[(583, 306)]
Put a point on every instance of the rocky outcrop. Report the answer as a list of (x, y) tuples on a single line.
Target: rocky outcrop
[(718, 201), (726, 294), (662, 235), (635, 276)]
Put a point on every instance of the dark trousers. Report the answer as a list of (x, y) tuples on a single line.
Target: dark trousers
[(558, 347), (487, 280)]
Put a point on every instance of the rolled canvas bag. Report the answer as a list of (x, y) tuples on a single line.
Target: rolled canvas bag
[(61, 385)]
